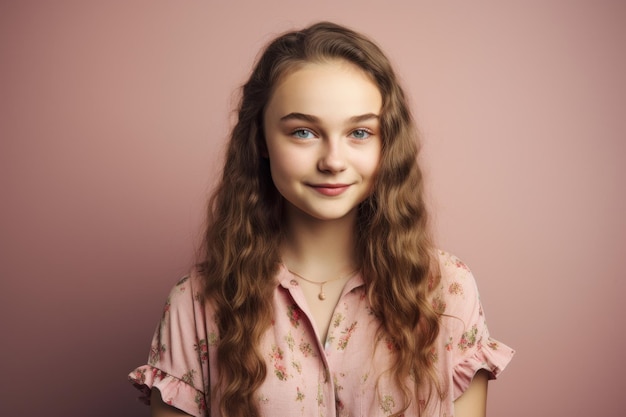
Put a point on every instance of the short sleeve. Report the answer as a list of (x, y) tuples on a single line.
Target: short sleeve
[(465, 336), (178, 359)]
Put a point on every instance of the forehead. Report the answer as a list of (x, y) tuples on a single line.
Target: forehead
[(330, 90)]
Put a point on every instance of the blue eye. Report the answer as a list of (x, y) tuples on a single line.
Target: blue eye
[(303, 134), (361, 134)]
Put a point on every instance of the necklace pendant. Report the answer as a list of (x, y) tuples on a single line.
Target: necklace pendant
[(321, 296)]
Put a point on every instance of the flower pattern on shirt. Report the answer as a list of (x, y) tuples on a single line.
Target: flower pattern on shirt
[(455, 288), (387, 404), (156, 353), (337, 319), (295, 315), (300, 395), (202, 349), (468, 339), (188, 377), (306, 349), (439, 305), (344, 378), (278, 359), (342, 344)]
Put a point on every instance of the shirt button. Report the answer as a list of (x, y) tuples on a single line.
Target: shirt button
[(293, 282)]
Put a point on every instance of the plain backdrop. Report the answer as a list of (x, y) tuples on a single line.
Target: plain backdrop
[(113, 117)]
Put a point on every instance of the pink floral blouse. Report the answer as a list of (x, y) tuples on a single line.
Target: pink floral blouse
[(344, 377)]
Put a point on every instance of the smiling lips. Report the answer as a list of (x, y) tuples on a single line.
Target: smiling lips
[(330, 190)]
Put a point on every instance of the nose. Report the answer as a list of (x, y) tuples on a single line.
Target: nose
[(332, 157)]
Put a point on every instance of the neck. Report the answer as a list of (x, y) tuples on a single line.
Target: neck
[(317, 248)]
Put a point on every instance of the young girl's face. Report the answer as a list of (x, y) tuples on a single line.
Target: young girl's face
[(322, 132)]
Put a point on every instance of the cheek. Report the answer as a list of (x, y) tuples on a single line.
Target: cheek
[(370, 163), (284, 165)]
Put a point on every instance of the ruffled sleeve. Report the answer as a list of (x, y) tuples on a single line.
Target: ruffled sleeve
[(465, 336), (178, 360)]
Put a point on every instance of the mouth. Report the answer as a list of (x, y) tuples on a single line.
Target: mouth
[(330, 189)]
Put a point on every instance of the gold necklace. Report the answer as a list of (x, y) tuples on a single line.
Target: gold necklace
[(322, 295)]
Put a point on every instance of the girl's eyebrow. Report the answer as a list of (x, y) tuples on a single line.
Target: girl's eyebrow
[(363, 118), (300, 116), (313, 119)]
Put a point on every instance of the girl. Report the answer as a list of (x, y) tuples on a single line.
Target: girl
[(319, 291)]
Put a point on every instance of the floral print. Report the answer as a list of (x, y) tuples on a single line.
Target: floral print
[(455, 288), (449, 345), (345, 338), (295, 314), (387, 404), (468, 339), (188, 377), (156, 353), (202, 349), (299, 394), (306, 349), (200, 402), (344, 377), (278, 359), (438, 305)]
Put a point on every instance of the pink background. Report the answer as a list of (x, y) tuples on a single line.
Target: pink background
[(112, 123)]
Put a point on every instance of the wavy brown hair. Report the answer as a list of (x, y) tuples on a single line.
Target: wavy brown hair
[(241, 246)]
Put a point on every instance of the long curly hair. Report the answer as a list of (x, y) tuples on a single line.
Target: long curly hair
[(240, 254)]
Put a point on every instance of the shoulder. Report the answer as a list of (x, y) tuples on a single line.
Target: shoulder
[(453, 269), (455, 293), (187, 298), (188, 288), (192, 281)]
